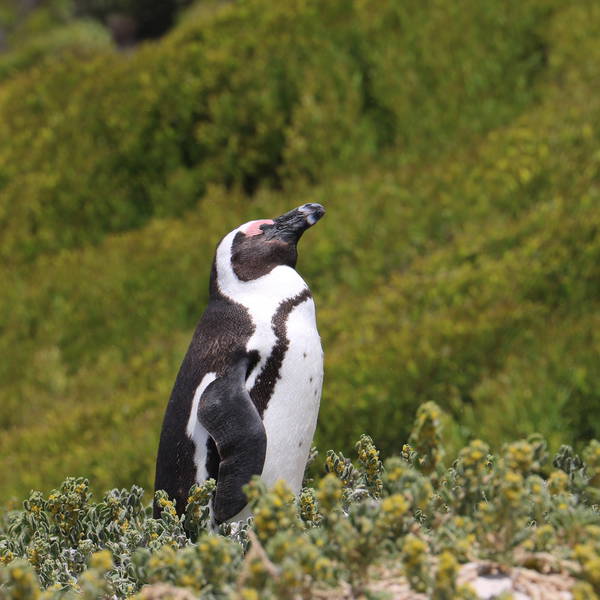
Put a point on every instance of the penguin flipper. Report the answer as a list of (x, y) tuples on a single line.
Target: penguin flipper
[(231, 419)]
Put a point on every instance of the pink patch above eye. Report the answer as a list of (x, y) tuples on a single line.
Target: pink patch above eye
[(254, 227)]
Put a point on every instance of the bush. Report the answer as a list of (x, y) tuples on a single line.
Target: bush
[(407, 515), (239, 98), (81, 38)]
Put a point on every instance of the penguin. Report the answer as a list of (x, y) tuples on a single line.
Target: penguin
[(246, 397)]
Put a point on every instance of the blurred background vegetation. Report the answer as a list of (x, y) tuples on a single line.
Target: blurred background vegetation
[(455, 145)]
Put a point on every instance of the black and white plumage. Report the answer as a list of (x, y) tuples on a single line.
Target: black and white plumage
[(246, 398)]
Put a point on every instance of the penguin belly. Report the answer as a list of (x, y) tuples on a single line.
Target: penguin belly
[(290, 418)]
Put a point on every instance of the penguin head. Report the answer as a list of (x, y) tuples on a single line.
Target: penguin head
[(259, 246)]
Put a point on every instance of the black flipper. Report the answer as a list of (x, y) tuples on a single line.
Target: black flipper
[(231, 419)]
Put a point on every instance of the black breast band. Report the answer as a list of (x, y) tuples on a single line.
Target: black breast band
[(263, 387)]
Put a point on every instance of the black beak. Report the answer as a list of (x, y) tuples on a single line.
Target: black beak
[(291, 225)]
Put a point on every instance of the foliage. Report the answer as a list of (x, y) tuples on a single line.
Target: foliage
[(171, 115), (80, 38), (505, 508), (456, 152), (23, 22)]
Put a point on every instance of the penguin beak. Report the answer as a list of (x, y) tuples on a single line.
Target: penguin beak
[(290, 226)]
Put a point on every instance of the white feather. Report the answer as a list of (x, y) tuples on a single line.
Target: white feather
[(291, 415), (196, 432)]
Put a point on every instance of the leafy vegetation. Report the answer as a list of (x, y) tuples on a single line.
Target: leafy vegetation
[(171, 114), (454, 147), (408, 513)]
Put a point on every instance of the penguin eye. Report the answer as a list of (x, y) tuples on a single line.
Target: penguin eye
[(267, 227)]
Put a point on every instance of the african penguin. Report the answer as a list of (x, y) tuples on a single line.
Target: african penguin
[(246, 398)]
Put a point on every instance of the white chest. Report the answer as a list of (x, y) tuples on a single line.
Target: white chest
[(291, 415)]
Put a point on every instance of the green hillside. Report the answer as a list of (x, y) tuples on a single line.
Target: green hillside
[(455, 146)]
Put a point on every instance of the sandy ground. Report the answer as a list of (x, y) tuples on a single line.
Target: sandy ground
[(487, 580)]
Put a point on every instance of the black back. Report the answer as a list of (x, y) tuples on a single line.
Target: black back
[(221, 335)]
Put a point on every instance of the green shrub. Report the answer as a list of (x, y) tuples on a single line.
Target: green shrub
[(79, 37), (485, 507), (257, 93)]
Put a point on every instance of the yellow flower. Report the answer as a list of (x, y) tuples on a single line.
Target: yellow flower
[(591, 571), (101, 560), (558, 482), (584, 553), (394, 506)]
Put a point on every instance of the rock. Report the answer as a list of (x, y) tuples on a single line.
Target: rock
[(489, 581)]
